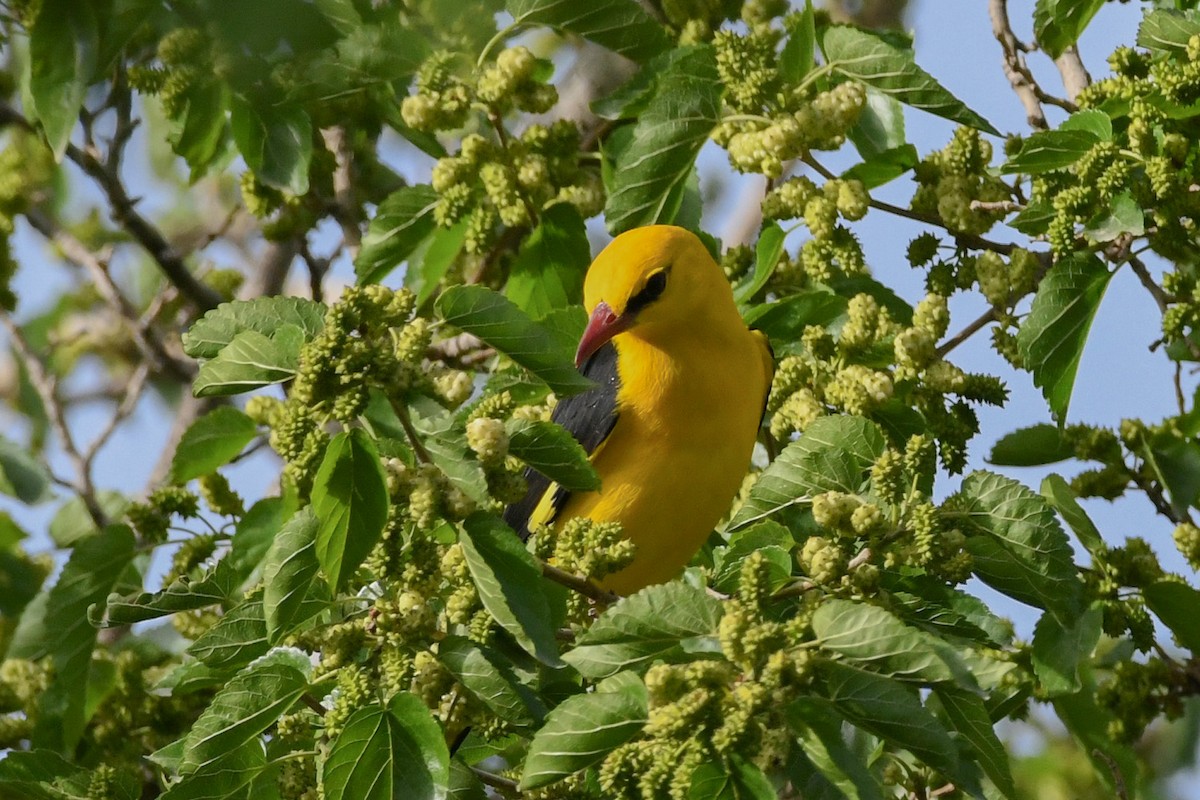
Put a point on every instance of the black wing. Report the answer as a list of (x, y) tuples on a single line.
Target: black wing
[(588, 416)]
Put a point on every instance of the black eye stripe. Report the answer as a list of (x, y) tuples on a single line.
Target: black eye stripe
[(655, 285)]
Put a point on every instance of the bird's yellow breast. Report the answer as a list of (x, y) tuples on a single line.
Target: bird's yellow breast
[(689, 416)]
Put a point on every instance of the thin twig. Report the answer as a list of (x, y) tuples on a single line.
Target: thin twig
[(495, 781), (133, 393), (417, 446), (1002, 206), (967, 332), (584, 586), (346, 211), (1015, 68), (46, 386)]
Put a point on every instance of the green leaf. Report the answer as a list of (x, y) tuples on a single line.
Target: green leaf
[(1017, 544), (427, 267), (1060, 647), (288, 572), (547, 272), (766, 258), (552, 451), (201, 134), (216, 329), (880, 126), (209, 442), (873, 637), (275, 139), (37, 774), (1034, 219), (833, 454), (1061, 497), (216, 586), (497, 321), (622, 26), (1167, 30), (1175, 604), (584, 728), (1032, 446), (239, 637), (783, 321), (868, 58), (894, 712), (769, 538), (401, 223), (509, 583), (21, 475), (1092, 120), (1052, 337), (1044, 151), (250, 362), (884, 166), (447, 446), (796, 58), (1058, 23), (94, 568), (350, 498), (227, 777), (1123, 216), (384, 753), (731, 779), (645, 183), (658, 623), (1089, 724), (245, 707), (256, 531), (21, 579), (485, 674), (63, 45), (969, 717), (819, 729)]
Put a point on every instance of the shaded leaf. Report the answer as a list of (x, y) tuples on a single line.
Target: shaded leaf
[(402, 221), (1032, 446), (969, 716), (622, 26), (1060, 647), (819, 729), (766, 258), (217, 328), (1044, 151), (1123, 216), (1061, 497), (1175, 604), (547, 272), (239, 637), (288, 572), (211, 441), (63, 44), (796, 58), (182, 594), (552, 451), (485, 674), (227, 777), (350, 498), (1058, 23), (21, 475), (275, 139), (884, 166)]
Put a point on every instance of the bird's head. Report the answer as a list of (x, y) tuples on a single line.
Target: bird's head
[(651, 280)]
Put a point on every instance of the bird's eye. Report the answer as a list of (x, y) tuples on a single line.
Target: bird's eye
[(655, 285)]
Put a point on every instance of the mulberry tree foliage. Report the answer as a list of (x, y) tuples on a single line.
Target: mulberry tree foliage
[(340, 244)]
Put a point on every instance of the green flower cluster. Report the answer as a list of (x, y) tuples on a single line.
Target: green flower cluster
[(1138, 693), (848, 374), (710, 710), (772, 122), (152, 517), (951, 179), (583, 547), (833, 250)]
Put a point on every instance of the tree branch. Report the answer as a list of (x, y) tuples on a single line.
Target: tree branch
[(585, 586), (1075, 76), (1015, 68)]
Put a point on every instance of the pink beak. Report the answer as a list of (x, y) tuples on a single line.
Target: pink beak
[(603, 326)]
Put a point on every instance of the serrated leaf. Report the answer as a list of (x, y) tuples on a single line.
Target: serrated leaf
[(93, 570), (868, 58), (1124, 216), (217, 328), (1017, 544), (766, 257), (288, 572), (508, 580), (931, 604), (36, 774), (1058, 23), (182, 594), (202, 132), (584, 728), (875, 638), (21, 475), (275, 139), (772, 540), (427, 267), (645, 182), (894, 712), (486, 675), (1044, 151), (552, 451), (251, 361), (1175, 603), (622, 26), (833, 454), (226, 777), (249, 704), (1092, 120), (880, 125), (783, 321), (819, 729), (733, 778), (1032, 446), (63, 46), (969, 717), (209, 442), (1061, 646), (496, 320), (547, 272), (1167, 30), (402, 221), (384, 753), (654, 624), (239, 637), (1034, 219), (1061, 497), (350, 498), (1052, 337)]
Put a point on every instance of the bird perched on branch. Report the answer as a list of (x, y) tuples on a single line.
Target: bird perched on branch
[(670, 426)]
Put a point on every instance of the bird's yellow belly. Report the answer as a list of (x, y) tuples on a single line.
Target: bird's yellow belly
[(669, 479)]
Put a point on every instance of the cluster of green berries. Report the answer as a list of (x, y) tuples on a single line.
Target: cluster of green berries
[(152, 517), (583, 547), (951, 179), (22, 684), (185, 59), (489, 184), (1139, 693), (833, 250), (1187, 540), (1133, 565)]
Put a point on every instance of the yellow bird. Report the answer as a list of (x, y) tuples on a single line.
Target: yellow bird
[(672, 422)]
